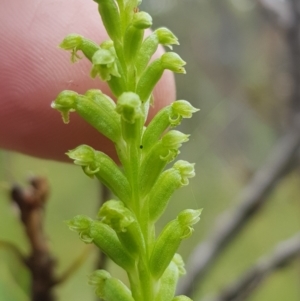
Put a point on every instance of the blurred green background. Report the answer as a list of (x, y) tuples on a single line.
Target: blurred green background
[(237, 74)]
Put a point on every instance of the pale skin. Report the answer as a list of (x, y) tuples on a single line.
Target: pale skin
[(33, 71)]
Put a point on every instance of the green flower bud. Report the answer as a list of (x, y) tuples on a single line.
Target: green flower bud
[(142, 20), (169, 279), (162, 153), (156, 128), (186, 171), (149, 79), (166, 37), (101, 99), (81, 224), (104, 64), (160, 36), (181, 109), (75, 42), (84, 156), (165, 186), (187, 218), (153, 73), (168, 116), (169, 240), (129, 106), (182, 298), (95, 108), (65, 103), (103, 237), (110, 16), (106, 239), (134, 35), (172, 61), (95, 163), (123, 221), (109, 288), (103, 57), (177, 259), (174, 139), (71, 41), (127, 11), (146, 51)]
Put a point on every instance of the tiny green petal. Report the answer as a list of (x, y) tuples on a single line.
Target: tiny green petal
[(142, 20), (109, 288), (65, 103), (82, 155), (187, 219), (95, 163), (81, 224), (106, 239), (116, 215), (174, 139), (166, 37), (71, 41), (129, 106), (168, 282), (75, 42), (181, 109), (186, 171), (173, 62), (104, 62), (103, 57), (169, 240), (122, 220), (177, 259)]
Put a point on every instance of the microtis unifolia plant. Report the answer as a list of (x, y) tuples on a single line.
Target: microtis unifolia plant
[(125, 227)]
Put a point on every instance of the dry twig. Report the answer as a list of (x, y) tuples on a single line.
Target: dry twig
[(31, 202)]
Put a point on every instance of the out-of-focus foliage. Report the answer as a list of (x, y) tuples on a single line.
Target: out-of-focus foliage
[(237, 74)]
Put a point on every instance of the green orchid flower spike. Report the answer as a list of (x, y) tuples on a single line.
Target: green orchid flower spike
[(142, 183)]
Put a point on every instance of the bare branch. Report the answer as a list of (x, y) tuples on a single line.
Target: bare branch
[(284, 253), (31, 202), (230, 223)]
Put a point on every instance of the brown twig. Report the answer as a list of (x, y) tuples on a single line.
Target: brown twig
[(283, 254), (31, 202)]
